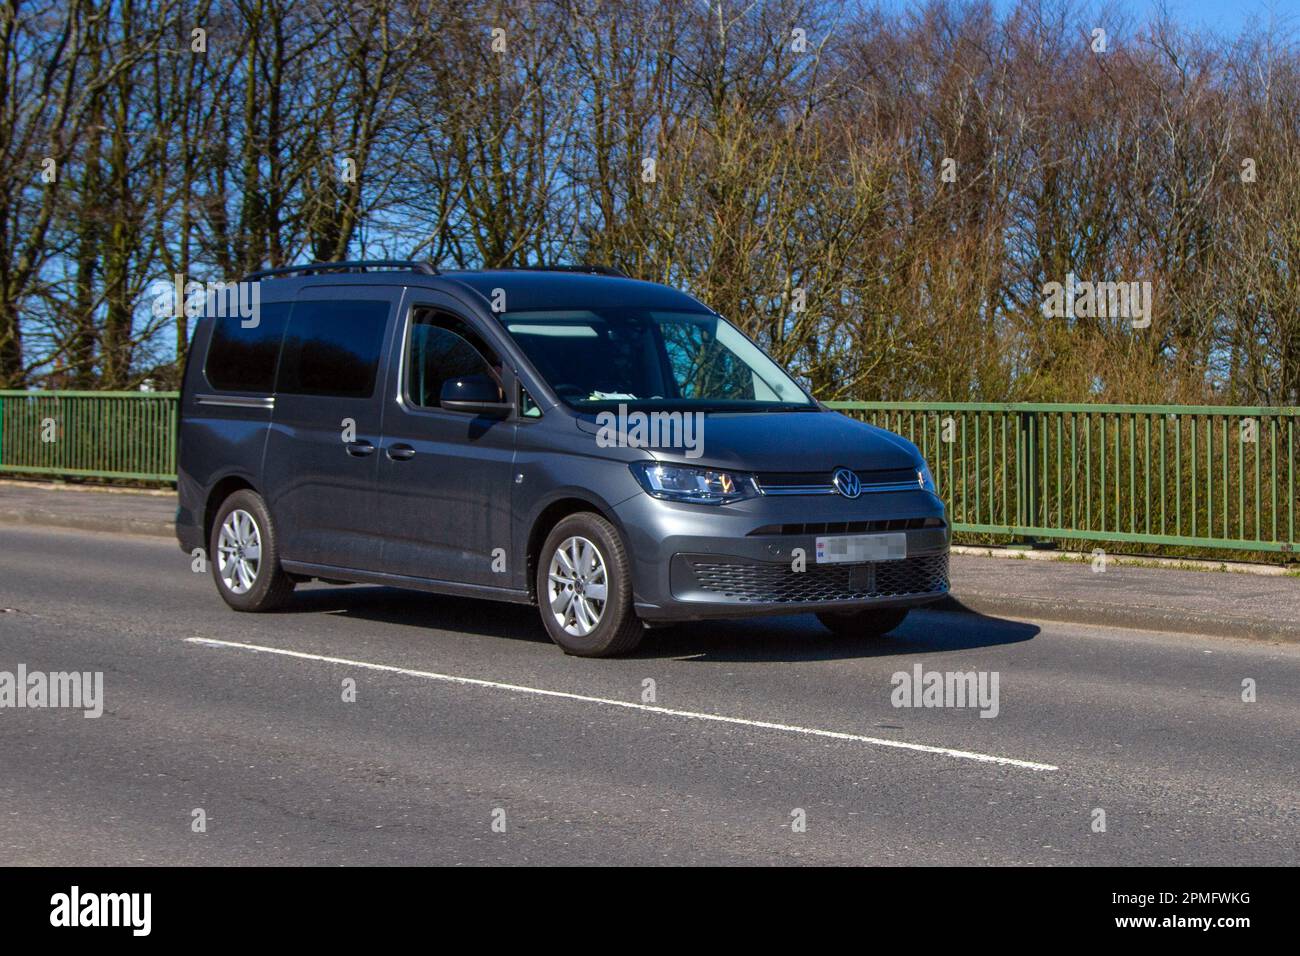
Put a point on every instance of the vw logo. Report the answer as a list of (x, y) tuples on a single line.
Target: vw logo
[(847, 482)]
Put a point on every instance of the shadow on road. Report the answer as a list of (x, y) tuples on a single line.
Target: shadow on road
[(802, 638), (421, 609), (794, 638)]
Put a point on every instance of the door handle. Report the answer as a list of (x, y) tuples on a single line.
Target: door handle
[(401, 452), (359, 449)]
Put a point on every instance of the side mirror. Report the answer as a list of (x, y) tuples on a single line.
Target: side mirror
[(476, 394)]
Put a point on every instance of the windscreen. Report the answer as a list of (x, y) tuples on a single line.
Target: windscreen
[(599, 359)]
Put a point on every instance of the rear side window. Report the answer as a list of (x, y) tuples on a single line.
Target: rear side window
[(332, 348), (243, 360)]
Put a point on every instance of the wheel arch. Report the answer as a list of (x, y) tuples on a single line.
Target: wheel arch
[(218, 493), (551, 514)]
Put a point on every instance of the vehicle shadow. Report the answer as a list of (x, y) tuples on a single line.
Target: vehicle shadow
[(802, 638), (421, 609), (791, 638)]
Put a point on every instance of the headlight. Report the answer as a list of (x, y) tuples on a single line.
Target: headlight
[(701, 485), (924, 478)]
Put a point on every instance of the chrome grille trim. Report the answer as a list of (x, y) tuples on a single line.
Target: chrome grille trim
[(862, 526), (829, 489), (874, 480)]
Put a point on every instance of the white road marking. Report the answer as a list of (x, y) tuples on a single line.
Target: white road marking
[(628, 705)]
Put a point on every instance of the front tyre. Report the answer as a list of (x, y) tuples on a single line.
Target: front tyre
[(584, 588), (245, 555), (869, 622)]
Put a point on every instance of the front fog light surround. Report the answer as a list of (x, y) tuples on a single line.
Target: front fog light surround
[(708, 486)]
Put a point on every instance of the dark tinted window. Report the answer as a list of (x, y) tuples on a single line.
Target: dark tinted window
[(332, 348), (243, 360), (442, 347)]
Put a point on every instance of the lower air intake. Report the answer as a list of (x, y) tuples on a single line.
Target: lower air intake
[(768, 583)]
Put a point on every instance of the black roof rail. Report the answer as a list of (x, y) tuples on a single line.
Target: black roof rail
[(592, 270), (350, 265)]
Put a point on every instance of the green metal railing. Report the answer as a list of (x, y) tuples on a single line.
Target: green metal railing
[(1180, 475), (1201, 477), (124, 435)]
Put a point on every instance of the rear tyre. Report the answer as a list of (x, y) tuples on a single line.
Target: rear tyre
[(584, 588), (245, 555), (869, 622)]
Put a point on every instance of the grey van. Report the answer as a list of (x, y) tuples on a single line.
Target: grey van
[(609, 450)]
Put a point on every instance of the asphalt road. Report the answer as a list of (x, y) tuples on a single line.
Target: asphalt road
[(450, 731)]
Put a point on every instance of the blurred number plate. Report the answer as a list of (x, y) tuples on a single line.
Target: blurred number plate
[(842, 549)]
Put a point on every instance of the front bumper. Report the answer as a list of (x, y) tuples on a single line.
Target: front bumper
[(699, 562)]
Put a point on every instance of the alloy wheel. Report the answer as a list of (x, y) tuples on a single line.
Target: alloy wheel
[(578, 586), (239, 551)]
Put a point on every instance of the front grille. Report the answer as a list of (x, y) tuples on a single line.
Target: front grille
[(767, 583), (809, 479), (850, 527)]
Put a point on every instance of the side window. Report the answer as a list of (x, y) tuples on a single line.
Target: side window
[(442, 347), (527, 407), (333, 347), (243, 360)]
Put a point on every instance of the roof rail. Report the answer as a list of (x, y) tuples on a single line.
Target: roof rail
[(592, 270), (350, 265)]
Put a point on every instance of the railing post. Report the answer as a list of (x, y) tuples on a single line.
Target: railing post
[(1027, 475)]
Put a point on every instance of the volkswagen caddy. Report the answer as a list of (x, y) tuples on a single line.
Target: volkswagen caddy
[(609, 450)]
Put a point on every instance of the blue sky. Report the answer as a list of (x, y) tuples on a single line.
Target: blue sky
[(1226, 16)]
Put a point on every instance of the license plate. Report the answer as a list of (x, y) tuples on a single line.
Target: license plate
[(855, 548)]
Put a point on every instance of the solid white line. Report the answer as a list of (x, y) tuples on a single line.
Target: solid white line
[(645, 708)]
